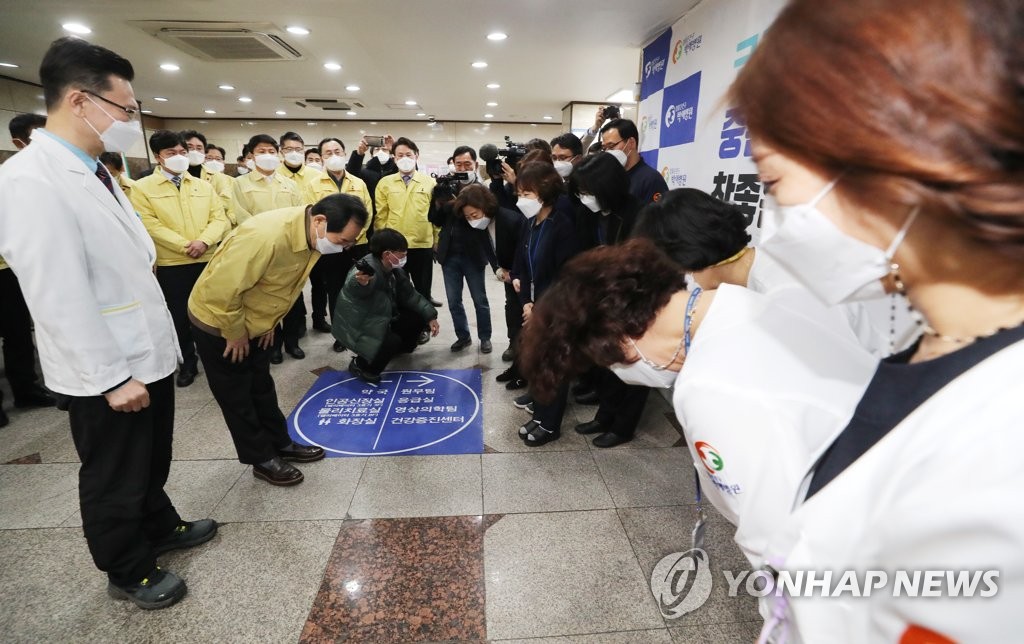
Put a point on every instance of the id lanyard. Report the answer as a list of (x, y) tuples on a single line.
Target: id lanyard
[(531, 255), (700, 525)]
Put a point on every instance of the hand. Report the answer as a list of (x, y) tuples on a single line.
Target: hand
[(527, 312), (266, 340), (131, 396), (517, 285), (599, 118), (501, 274), (508, 173), (237, 350), (389, 142), (196, 249), (362, 147), (363, 278), (435, 328)]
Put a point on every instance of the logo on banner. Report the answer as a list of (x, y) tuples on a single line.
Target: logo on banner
[(709, 457), (680, 112), (685, 46), (674, 177), (649, 124), (655, 66), (655, 63)]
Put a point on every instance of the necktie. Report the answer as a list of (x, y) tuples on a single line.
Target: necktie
[(176, 181), (104, 176)]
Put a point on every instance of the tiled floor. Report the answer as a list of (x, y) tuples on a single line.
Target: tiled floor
[(543, 545)]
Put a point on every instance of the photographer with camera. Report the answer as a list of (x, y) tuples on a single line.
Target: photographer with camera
[(379, 313), (604, 113), (380, 164), (502, 172), (620, 138)]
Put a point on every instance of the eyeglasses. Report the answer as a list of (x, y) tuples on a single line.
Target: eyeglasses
[(610, 145), (130, 111), (296, 149)]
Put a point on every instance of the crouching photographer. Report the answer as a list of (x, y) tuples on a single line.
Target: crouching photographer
[(379, 313)]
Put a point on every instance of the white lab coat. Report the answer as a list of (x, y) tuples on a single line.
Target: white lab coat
[(85, 264), (941, 491), (763, 387)]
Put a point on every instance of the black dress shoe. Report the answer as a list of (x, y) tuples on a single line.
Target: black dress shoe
[(295, 352), (435, 303), (610, 439), (185, 378), (186, 535), (423, 338), (301, 453), (277, 472), (486, 346), (320, 324), (593, 427), (515, 383), (580, 388), (506, 375), (35, 396), (158, 589), (276, 357), (338, 347), (508, 355), (588, 398), (461, 344), (4, 419), (363, 374)]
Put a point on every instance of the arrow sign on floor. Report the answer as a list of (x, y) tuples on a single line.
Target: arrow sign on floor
[(423, 381)]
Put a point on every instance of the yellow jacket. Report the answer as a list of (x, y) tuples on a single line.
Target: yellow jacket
[(126, 184), (325, 186), (176, 217), (404, 208), (224, 186), (254, 194), (304, 178), (256, 275)]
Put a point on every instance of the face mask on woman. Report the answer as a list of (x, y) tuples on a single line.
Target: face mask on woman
[(591, 202), (529, 207), (480, 224), (832, 265), (645, 373)]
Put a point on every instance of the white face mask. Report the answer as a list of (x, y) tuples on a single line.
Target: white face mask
[(406, 164), (267, 162), (214, 166), (294, 159), (326, 246), (242, 170), (480, 224), (196, 158), (316, 166), (619, 155), (529, 207), (451, 167), (176, 164), (400, 263), (590, 201), (471, 177), (563, 168), (249, 163), (382, 157), (336, 163), (832, 265), (646, 373), (120, 136)]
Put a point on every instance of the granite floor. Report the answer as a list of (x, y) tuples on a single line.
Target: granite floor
[(548, 545)]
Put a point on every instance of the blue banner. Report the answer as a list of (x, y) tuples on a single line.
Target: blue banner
[(679, 112), (652, 76)]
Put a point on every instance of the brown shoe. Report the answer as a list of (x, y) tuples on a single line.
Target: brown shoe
[(277, 472), (301, 453)]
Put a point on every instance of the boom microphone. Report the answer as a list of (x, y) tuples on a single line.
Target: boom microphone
[(488, 152)]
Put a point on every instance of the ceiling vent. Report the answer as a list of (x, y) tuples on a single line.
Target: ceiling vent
[(223, 41), (329, 104), (403, 106)]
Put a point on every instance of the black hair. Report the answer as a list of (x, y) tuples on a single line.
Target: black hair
[(192, 134), (604, 177), (406, 142), (21, 126), (256, 140), (113, 159), (223, 153), (164, 139), (310, 151), (695, 229), (246, 150), (569, 141), (291, 136), (625, 128), (538, 144), (594, 148), (73, 62), (340, 210), (387, 239), (320, 146), (462, 149)]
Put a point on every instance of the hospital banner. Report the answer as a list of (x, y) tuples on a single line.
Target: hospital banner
[(688, 131)]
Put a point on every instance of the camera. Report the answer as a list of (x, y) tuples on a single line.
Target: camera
[(374, 141), (611, 112), (450, 178), (512, 154), (448, 185), (364, 267)]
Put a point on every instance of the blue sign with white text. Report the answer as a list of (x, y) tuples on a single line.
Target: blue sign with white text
[(652, 76), (411, 412), (679, 112)]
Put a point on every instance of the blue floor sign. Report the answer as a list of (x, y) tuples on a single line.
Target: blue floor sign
[(411, 412)]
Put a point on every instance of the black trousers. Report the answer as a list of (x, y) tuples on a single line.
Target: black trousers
[(126, 458), (318, 288), (292, 325), (16, 330), (247, 397), (401, 338), (621, 404), (420, 267), (177, 282), (333, 269), (513, 313), (550, 414)]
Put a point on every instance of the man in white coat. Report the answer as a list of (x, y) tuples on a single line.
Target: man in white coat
[(106, 340)]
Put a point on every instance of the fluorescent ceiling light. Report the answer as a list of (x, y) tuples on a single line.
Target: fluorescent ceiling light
[(352, 88), (210, 111), (547, 118), (298, 31), (244, 99), (488, 116), (76, 28), (493, 86), (160, 99), (280, 112), (492, 104), (350, 113), (411, 103), (334, 67), (497, 35), (169, 67), (11, 65), (479, 64), (226, 87)]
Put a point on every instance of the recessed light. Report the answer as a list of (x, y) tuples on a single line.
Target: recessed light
[(226, 87), (310, 123), (280, 112), (298, 31), (421, 113), (11, 65), (497, 35), (76, 28), (493, 86), (547, 118), (210, 111), (169, 67), (350, 113), (492, 104), (334, 67), (488, 116), (244, 99), (373, 122), (479, 64), (147, 111), (160, 99), (410, 103), (352, 88)]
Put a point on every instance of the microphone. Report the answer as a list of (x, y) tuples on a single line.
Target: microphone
[(488, 152)]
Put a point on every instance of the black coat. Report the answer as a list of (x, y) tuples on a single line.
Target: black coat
[(508, 225), (553, 243), (596, 229)]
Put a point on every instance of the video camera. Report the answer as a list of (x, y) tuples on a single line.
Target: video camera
[(512, 153), (611, 112), (447, 186)]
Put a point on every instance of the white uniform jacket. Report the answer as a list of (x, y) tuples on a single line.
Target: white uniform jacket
[(85, 264)]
